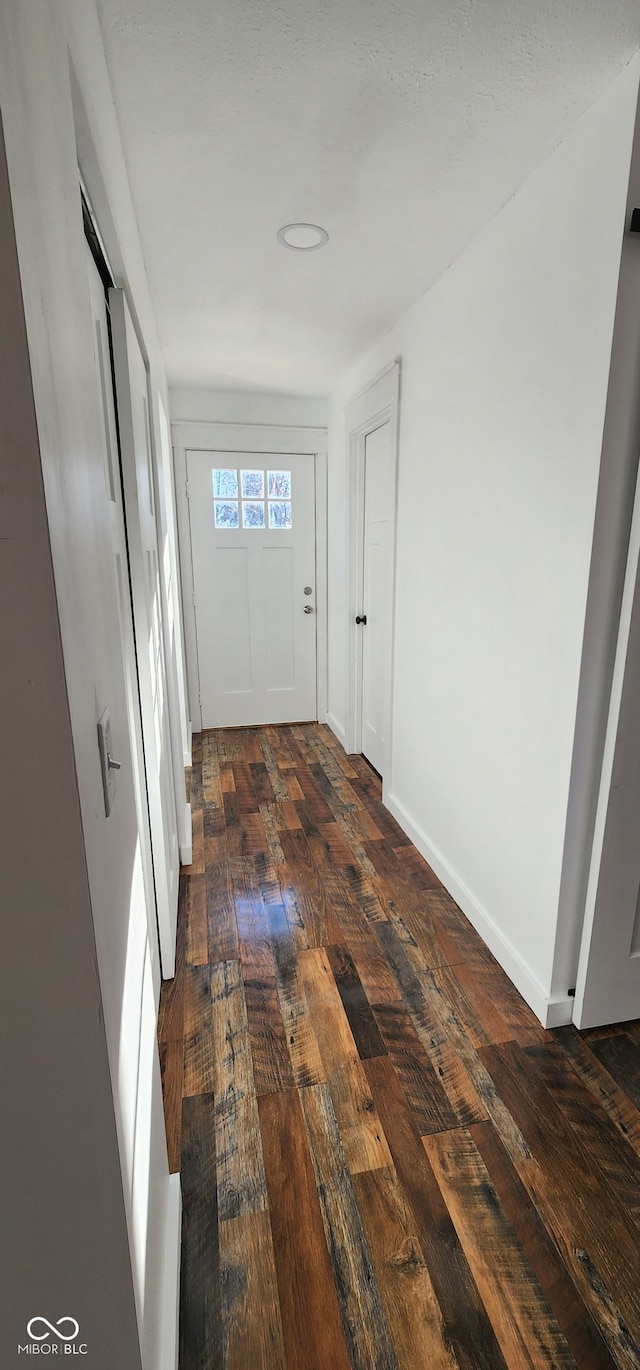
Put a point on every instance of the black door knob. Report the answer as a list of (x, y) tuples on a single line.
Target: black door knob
[(361, 618)]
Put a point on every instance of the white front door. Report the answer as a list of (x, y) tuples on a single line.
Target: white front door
[(376, 639), (253, 545), (608, 983), (140, 509)]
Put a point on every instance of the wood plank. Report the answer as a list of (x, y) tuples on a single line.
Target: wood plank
[(279, 739), (340, 756), (509, 1018), (601, 1084), (328, 846), (621, 1057), (359, 849), (344, 916), (486, 1014), (222, 931), (364, 1029), (234, 831), (274, 846), (365, 1326), (410, 1304), (312, 1326), (292, 913), (366, 894), (457, 939), (262, 783), (198, 1075), (277, 782), (228, 742), (272, 1069), (214, 822), (195, 785), (467, 1327), (579, 1328), (378, 981), (250, 746), (211, 792), (459, 1088), (387, 865), (171, 1070), (197, 947), (302, 1043), (227, 782), (314, 799), (384, 820), (406, 910), (367, 826), (417, 868), (240, 1177), (423, 1090), (251, 1323), (287, 816), (442, 1032), (522, 1320), (589, 1228), (607, 1152), (315, 907), (245, 788), (252, 920), (200, 1307), (360, 1130), (294, 787), (255, 838)]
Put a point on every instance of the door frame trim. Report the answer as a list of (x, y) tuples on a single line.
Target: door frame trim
[(612, 880), (260, 438), (376, 404)]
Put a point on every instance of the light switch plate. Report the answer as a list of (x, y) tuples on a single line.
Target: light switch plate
[(108, 775)]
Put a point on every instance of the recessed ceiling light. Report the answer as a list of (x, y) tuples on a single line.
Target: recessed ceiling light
[(303, 237)]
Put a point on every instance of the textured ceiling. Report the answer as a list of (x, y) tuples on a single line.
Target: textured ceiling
[(401, 126)]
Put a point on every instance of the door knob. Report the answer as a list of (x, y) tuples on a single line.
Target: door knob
[(361, 618), (308, 608)]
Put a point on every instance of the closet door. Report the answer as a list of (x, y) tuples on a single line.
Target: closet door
[(132, 398)]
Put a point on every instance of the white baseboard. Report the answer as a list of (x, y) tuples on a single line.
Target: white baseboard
[(187, 754), (172, 1252), (552, 1012), (186, 838), (337, 728)]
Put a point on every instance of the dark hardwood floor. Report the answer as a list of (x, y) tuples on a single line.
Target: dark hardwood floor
[(385, 1160)]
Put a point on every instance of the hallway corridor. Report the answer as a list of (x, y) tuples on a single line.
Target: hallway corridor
[(385, 1160)]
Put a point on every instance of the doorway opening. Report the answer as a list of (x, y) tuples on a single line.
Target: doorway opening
[(372, 428)]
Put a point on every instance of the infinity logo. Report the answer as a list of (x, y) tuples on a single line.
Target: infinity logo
[(49, 1325)]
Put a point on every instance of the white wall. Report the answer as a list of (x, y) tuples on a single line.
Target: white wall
[(63, 1234), (247, 406), (504, 380), (39, 99)]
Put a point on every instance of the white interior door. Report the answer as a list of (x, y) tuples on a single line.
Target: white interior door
[(253, 544), (139, 502), (608, 982), (376, 580), (102, 358)]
